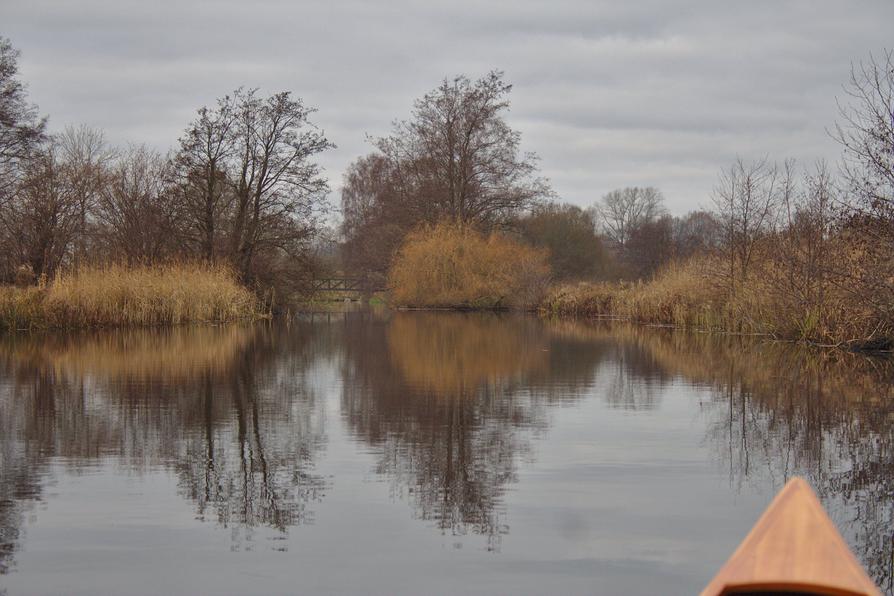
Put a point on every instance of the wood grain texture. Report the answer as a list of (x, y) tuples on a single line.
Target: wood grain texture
[(794, 546)]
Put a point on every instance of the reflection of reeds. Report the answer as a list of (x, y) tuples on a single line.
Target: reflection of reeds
[(136, 354), (452, 354)]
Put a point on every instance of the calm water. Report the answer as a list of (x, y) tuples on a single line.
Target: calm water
[(422, 453)]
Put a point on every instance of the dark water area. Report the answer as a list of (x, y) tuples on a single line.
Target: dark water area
[(410, 453)]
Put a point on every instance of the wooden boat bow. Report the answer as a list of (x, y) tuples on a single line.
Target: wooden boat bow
[(793, 548)]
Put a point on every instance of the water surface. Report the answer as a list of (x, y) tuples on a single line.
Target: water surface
[(422, 453)]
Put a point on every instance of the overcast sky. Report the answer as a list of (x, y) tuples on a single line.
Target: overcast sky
[(609, 93)]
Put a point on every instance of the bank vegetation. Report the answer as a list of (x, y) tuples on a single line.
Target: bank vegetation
[(117, 295)]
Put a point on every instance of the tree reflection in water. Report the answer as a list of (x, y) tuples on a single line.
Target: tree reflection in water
[(225, 408), (450, 404), (778, 410)]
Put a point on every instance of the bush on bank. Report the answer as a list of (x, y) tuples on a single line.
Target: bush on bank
[(454, 266)]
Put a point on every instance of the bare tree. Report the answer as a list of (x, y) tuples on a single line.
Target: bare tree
[(136, 212), (374, 218), (39, 222), (458, 158), (21, 129), (87, 158), (745, 198), (278, 188), (866, 131), (202, 164), (622, 211)]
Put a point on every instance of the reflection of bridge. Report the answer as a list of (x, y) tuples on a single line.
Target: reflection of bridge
[(347, 285)]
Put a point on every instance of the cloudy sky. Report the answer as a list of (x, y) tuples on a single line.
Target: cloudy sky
[(609, 93)]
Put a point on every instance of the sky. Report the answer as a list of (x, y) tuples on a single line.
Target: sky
[(608, 93)]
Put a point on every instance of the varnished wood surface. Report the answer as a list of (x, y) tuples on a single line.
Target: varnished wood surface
[(794, 546)]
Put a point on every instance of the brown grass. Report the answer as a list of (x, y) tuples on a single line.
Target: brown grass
[(682, 295), (129, 296), (455, 266), (695, 295)]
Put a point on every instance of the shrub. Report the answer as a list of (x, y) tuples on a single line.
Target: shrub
[(450, 265)]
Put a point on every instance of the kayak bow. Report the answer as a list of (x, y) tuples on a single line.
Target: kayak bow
[(793, 548)]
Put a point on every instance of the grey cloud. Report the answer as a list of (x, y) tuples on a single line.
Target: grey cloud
[(607, 93)]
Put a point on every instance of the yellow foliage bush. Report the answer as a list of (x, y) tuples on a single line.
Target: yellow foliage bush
[(454, 266)]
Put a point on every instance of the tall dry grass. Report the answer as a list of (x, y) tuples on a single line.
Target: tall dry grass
[(455, 266), (116, 295), (682, 295), (696, 295)]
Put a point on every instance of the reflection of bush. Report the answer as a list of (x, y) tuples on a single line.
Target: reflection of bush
[(144, 354), (455, 354)]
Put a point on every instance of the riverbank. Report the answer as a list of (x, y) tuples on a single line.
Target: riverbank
[(695, 296), (117, 296)]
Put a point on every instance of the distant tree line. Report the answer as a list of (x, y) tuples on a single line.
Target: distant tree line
[(242, 187)]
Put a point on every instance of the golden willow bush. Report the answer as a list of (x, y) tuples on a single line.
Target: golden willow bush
[(455, 266), (117, 295)]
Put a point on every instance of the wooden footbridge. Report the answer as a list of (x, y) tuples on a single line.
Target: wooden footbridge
[(347, 286)]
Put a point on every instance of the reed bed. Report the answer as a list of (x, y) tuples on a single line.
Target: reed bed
[(116, 296), (681, 296), (696, 295)]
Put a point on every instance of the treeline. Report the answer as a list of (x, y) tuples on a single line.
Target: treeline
[(241, 189), (797, 253)]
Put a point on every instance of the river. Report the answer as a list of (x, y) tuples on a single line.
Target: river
[(409, 453)]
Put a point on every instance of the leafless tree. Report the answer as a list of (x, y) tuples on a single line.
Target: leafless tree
[(458, 158), (866, 131), (374, 218), (87, 158), (745, 198), (622, 211), (40, 221), (136, 211), (278, 187), (202, 163), (21, 129)]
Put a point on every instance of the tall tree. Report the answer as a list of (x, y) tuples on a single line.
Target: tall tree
[(746, 198), (278, 187), (21, 129), (87, 160), (137, 214), (40, 222), (205, 147), (458, 158), (866, 131), (621, 211)]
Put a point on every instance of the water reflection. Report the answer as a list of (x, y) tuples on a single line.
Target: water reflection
[(450, 406), (220, 407)]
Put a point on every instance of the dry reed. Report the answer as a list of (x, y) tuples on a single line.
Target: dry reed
[(116, 295)]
